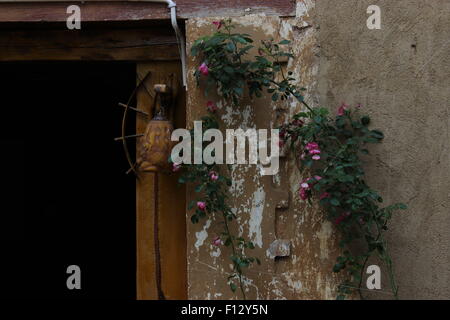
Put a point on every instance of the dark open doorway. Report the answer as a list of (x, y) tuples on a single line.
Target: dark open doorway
[(63, 179)]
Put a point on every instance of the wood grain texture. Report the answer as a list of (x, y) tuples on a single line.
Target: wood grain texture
[(88, 44), (165, 195), (172, 208), (140, 10), (145, 207)]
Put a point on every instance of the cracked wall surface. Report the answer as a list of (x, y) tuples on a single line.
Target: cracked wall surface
[(400, 74), (296, 247)]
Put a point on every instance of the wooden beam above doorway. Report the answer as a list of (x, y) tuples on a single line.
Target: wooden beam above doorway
[(113, 10), (89, 44)]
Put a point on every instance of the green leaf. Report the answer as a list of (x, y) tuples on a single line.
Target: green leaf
[(402, 206), (365, 120), (317, 119), (243, 264), (338, 267), (341, 259), (282, 42), (239, 91), (230, 47), (308, 163), (301, 115), (240, 39), (364, 151), (377, 134), (194, 219), (335, 202)]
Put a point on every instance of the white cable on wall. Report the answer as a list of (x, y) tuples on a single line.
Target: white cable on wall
[(180, 38)]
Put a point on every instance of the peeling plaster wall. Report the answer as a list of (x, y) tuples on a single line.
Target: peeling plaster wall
[(268, 207), (401, 75), (403, 87)]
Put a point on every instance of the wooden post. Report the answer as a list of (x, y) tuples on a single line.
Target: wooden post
[(163, 197)]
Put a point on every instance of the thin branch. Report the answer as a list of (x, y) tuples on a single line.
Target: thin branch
[(134, 109), (128, 137)]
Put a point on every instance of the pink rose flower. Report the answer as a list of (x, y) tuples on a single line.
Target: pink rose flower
[(213, 175), (303, 194), (211, 106), (217, 241), (339, 220), (203, 69), (176, 167), (201, 205), (306, 185), (312, 146), (342, 217), (316, 157), (324, 195), (308, 182), (298, 123), (218, 24), (342, 108)]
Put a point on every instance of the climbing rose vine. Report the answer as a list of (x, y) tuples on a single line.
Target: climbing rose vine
[(211, 186), (329, 149)]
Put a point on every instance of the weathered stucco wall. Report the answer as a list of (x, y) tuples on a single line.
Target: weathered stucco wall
[(268, 207), (400, 74)]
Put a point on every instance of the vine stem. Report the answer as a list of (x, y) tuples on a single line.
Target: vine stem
[(388, 261), (294, 94), (290, 90), (361, 277), (233, 249)]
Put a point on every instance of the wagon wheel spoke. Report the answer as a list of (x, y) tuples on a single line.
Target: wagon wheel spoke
[(124, 121)]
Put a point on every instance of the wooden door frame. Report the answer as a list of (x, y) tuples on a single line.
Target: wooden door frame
[(153, 49), (162, 196)]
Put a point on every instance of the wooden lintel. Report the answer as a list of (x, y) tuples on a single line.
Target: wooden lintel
[(89, 44), (105, 11)]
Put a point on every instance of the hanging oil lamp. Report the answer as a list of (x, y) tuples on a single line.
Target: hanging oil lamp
[(156, 145)]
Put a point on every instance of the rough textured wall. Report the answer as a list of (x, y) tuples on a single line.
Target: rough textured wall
[(268, 207), (401, 75)]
